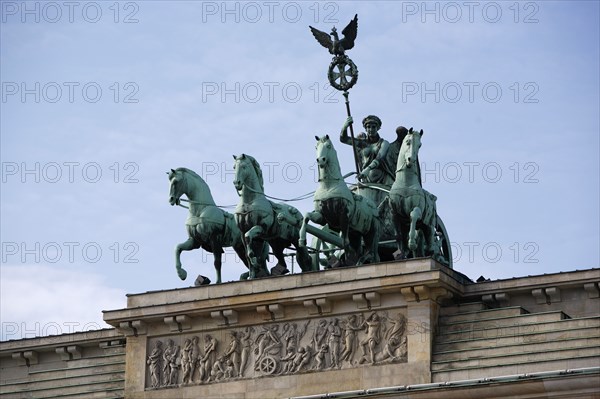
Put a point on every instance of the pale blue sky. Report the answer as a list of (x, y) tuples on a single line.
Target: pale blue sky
[(163, 106)]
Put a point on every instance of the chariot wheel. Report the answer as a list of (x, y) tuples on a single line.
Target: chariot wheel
[(268, 365), (342, 73), (323, 251)]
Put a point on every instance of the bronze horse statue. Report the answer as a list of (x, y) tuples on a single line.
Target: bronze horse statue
[(355, 216), (261, 220), (419, 230), (208, 226)]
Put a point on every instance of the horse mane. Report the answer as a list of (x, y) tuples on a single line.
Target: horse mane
[(326, 139), (191, 172), (258, 171), (206, 191)]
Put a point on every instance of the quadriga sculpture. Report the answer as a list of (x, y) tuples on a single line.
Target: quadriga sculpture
[(262, 220), (355, 216), (208, 226)]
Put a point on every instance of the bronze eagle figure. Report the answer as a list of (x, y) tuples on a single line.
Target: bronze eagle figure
[(337, 46)]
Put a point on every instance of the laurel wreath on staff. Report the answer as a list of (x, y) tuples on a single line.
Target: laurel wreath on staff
[(342, 73)]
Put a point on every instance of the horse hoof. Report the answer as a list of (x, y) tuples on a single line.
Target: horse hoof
[(261, 273), (333, 262), (182, 274), (399, 255), (279, 270), (364, 261), (201, 280), (350, 259)]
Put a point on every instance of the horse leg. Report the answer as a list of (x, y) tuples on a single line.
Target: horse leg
[(430, 218), (372, 240), (415, 216), (430, 244), (315, 217), (184, 246), (367, 254), (355, 245), (218, 253), (404, 230), (399, 255), (262, 260), (239, 249), (244, 256), (278, 245), (303, 258), (250, 238), (351, 248), (259, 247)]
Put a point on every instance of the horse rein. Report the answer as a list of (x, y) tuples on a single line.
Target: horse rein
[(201, 203), (299, 198)]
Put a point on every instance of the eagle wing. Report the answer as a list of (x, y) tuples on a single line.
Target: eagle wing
[(349, 33), (322, 38)]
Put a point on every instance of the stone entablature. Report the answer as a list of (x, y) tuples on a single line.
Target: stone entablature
[(368, 325), (335, 330), (82, 364), (576, 293), (421, 330)]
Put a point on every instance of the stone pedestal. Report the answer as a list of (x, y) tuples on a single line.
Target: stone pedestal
[(330, 331)]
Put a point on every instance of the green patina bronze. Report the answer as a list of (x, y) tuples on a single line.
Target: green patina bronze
[(261, 220), (342, 73), (386, 209), (419, 230), (375, 157), (208, 226), (355, 216)]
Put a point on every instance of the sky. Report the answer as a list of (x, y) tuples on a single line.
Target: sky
[(100, 99)]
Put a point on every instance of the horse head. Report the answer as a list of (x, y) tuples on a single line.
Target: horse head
[(327, 160), (324, 148), (186, 181), (410, 148), (247, 170), (177, 186)]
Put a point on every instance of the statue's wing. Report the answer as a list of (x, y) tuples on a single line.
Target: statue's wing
[(349, 33), (391, 159), (322, 38)]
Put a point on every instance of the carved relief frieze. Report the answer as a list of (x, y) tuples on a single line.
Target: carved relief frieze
[(277, 348)]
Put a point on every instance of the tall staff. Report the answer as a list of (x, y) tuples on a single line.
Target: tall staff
[(342, 73)]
